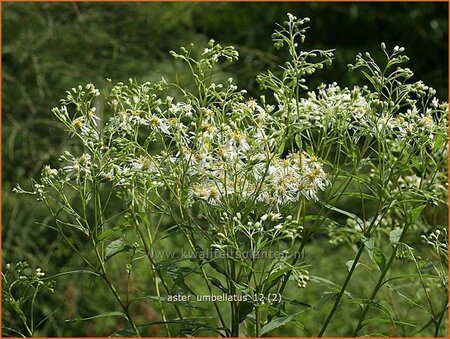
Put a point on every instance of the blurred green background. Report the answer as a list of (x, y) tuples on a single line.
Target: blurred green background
[(48, 48)]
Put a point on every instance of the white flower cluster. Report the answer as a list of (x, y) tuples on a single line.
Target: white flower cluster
[(276, 182), (290, 178), (356, 113), (437, 239), (223, 150), (236, 158), (331, 108)]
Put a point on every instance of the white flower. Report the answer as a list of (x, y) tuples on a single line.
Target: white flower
[(154, 121), (435, 102)]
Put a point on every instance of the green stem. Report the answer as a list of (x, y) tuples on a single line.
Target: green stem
[(344, 286), (374, 292), (234, 309), (379, 283), (113, 290), (306, 236), (257, 321), (441, 316), (148, 254), (205, 277)]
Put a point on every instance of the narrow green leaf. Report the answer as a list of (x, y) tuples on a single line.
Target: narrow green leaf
[(274, 277), (319, 280), (244, 308), (217, 268), (417, 163), (298, 303), (364, 196), (411, 301), (350, 264), (178, 274), (348, 214), (76, 226), (106, 234), (18, 310), (376, 320), (216, 282), (103, 315), (278, 323), (281, 148), (245, 289), (298, 140), (326, 297), (414, 213), (438, 143), (379, 258), (372, 303)]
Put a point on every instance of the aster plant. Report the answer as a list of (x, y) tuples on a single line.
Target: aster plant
[(245, 177)]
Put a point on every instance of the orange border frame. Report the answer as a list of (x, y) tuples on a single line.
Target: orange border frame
[(261, 1)]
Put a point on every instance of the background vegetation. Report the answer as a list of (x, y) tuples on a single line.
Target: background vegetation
[(49, 48)]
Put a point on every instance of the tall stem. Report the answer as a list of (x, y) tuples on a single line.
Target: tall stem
[(344, 287), (374, 292), (437, 324), (257, 321), (149, 256), (98, 216), (379, 283), (234, 309), (114, 291)]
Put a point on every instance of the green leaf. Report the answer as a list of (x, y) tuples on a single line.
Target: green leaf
[(377, 321), (178, 274), (216, 282), (298, 140), (244, 288), (371, 80), (394, 290), (217, 268), (278, 323), (372, 303), (18, 310), (368, 242), (76, 226), (394, 235), (414, 213), (298, 303), (152, 297), (348, 214), (374, 252), (379, 258), (438, 143), (274, 277), (350, 264), (319, 280), (106, 234), (326, 297), (115, 247), (281, 148), (417, 163), (261, 244), (103, 315), (244, 308), (364, 196)]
